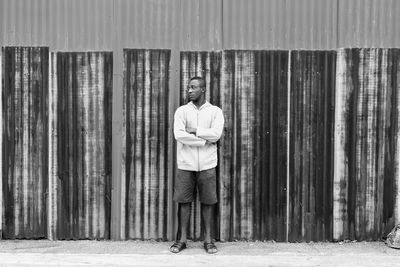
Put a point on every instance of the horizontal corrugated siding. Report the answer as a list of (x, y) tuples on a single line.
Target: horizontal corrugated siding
[(312, 92), (25, 141), (279, 24), (80, 161), (366, 133), (199, 25), (368, 23), (145, 143), (60, 24)]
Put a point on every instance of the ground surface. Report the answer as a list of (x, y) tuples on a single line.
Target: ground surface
[(139, 253)]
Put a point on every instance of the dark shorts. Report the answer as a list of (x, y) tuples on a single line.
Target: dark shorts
[(185, 186)]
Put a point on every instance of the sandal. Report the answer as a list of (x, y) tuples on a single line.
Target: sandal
[(210, 248), (177, 247)]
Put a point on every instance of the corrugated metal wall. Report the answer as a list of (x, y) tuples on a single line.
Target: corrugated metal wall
[(366, 132), (254, 144), (312, 95), (280, 24), (80, 151), (24, 141), (213, 27), (145, 143)]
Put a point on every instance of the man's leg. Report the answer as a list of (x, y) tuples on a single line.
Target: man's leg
[(208, 197), (184, 195), (184, 220), (207, 212)]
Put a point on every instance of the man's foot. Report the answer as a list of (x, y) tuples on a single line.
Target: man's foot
[(210, 248), (177, 247)]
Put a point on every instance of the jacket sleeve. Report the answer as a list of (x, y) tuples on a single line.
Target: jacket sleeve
[(180, 132), (214, 133)]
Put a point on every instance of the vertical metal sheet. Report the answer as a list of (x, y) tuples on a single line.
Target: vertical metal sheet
[(270, 148), (24, 141), (279, 24), (80, 159), (365, 179), (312, 92), (368, 23), (145, 143)]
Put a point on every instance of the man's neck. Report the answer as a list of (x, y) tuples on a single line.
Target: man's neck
[(199, 102)]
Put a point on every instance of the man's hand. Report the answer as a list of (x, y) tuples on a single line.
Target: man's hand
[(191, 130)]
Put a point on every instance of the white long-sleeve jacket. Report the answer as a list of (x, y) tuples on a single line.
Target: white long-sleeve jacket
[(198, 152)]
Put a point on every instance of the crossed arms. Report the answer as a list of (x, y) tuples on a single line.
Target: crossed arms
[(198, 136)]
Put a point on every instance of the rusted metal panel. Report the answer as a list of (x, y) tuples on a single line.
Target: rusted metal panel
[(312, 92), (145, 143), (279, 24), (366, 134), (80, 137), (25, 141), (270, 148)]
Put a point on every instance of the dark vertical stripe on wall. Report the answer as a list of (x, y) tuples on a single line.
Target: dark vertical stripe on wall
[(270, 149), (365, 143), (208, 66), (312, 92), (81, 106), (25, 141), (146, 115)]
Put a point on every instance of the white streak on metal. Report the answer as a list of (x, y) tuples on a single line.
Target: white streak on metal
[(340, 173), (91, 94), (138, 142), (85, 124), (123, 203), (18, 154), (372, 94), (25, 143), (146, 147), (100, 148), (288, 148), (51, 176)]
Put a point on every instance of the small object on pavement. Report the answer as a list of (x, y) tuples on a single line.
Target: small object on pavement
[(177, 247), (210, 248), (393, 238)]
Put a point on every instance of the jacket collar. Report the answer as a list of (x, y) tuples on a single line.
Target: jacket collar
[(206, 104)]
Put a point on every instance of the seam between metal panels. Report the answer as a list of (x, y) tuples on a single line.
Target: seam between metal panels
[(49, 156), (288, 152)]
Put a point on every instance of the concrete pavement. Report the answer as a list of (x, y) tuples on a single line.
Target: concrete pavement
[(151, 253)]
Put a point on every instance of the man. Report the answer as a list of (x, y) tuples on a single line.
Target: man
[(198, 125)]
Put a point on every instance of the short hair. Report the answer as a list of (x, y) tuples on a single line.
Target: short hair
[(200, 79)]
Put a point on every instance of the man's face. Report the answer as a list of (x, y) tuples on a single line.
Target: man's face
[(194, 90)]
